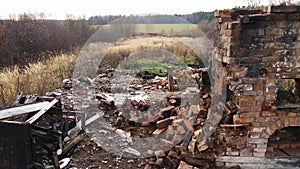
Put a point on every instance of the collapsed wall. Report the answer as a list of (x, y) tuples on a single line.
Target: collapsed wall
[(261, 50)]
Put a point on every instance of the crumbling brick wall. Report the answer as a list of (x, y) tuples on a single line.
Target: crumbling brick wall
[(260, 48)]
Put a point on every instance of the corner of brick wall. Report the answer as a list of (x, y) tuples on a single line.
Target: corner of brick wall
[(260, 48)]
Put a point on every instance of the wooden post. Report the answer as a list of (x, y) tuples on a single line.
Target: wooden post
[(170, 80)]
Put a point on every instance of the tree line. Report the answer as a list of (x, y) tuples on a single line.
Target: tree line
[(193, 18), (31, 37)]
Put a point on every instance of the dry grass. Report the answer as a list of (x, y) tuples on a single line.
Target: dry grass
[(175, 45), (47, 75), (38, 78)]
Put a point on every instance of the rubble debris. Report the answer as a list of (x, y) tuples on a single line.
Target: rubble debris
[(176, 119), (64, 163), (132, 151)]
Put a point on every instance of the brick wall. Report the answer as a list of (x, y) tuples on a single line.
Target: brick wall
[(260, 48)]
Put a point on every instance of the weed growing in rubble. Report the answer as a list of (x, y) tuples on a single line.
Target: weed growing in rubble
[(39, 77)]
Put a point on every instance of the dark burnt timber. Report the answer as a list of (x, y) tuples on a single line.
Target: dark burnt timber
[(35, 132)]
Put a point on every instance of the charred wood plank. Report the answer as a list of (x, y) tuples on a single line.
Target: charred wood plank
[(195, 162), (42, 144), (72, 144), (55, 160), (187, 139), (18, 98)]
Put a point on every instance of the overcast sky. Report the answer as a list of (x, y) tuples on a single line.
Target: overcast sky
[(58, 9)]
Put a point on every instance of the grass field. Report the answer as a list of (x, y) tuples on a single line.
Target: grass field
[(39, 77), (158, 28), (153, 53), (164, 27)]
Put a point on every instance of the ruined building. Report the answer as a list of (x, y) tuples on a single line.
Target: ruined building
[(261, 51)]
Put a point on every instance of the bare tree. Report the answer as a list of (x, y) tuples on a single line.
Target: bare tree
[(253, 3), (282, 2)]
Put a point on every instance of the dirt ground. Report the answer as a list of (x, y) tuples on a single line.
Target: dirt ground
[(87, 155)]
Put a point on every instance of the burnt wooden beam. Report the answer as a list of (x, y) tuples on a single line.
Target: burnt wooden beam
[(73, 143), (18, 98), (187, 139), (55, 161), (41, 143)]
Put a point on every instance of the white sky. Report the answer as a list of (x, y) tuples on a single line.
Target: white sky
[(58, 9)]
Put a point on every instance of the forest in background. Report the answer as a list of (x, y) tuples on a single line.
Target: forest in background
[(29, 38)]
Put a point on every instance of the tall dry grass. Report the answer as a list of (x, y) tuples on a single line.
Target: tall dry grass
[(39, 77)]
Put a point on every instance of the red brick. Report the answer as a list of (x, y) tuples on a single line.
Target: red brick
[(281, 113), (271, 90), (280, 123), (247, 98), (252, 80), (292, 121), (284, 146), (258, 87), (250, 114), (271, 74), (270, 96), (270, 149), (286, 122), (246, 103), (246, 120), (260, 119), (253, 93), (244, 109), (255, 124), (271, 128), (273, 145), (268, 113), (295, 145), (291, 114), (82, 92), (255, 108)]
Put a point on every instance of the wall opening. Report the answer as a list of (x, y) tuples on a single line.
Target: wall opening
[(288, 94), (284, 142)]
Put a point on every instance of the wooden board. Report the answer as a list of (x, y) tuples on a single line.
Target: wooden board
[(15, 111), (233, 125), (42, 111)]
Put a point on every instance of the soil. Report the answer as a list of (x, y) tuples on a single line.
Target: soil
[(88, 155)]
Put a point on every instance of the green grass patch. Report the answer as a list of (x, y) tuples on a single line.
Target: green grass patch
[(153, 64)]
